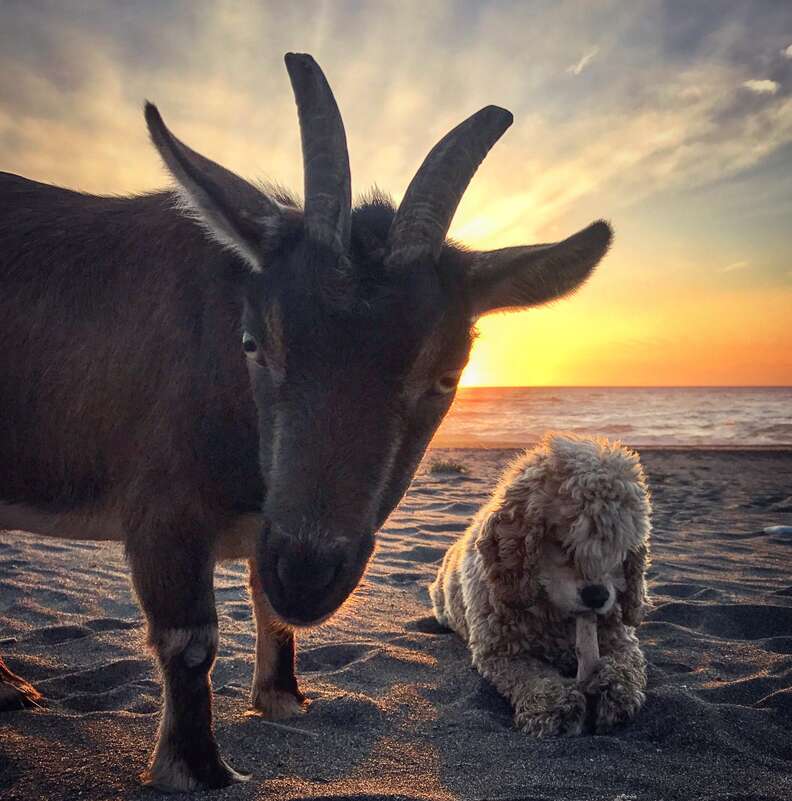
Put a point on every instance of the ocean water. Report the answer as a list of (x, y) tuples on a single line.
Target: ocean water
[(657, 416)]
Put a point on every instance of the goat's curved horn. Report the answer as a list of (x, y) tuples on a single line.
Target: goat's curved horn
[(424, 216), (328, 186)]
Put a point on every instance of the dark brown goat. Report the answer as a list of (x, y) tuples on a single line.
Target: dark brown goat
[(127, 410)]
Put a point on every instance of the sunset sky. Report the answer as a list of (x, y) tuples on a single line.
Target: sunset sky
[(673, 120)]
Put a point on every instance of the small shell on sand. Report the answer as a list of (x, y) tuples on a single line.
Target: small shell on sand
[(586, 645)]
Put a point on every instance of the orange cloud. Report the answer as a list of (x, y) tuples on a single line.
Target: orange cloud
[(620, 147)]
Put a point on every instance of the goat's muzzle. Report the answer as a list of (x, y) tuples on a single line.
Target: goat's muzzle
[(306, 580)]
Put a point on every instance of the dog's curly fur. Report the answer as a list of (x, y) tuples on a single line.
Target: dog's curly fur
[(571, 512)]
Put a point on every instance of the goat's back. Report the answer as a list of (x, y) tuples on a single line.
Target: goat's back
[(120, 363)]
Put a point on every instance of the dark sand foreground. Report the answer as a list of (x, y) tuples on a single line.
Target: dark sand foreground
[(396, 710)]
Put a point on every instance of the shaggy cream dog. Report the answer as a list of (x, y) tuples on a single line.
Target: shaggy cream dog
[(565, 533)]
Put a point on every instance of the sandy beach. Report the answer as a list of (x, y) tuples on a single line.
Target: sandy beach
[(396, 710)]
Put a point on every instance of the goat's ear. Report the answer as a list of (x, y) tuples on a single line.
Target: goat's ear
[(233, 212), (509, 553), (635, 598), (518, 277)]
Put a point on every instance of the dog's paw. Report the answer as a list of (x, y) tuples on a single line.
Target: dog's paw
[(617, 704), (563, 716), (617, 694)]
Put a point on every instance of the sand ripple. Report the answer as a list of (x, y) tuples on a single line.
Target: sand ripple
[(396, 710)]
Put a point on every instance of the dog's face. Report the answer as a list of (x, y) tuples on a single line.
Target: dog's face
[(571, 528), (573, 587)]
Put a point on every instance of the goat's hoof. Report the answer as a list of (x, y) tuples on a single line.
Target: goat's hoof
[(276, 704), (16, 693), (175, 775)]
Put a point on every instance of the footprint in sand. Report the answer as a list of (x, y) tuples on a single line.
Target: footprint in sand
[(47, 547), (332, 657), (426, 625), (13, 565), (444, 526), (670, 666), (346, 710), (133, 697), (238, 611), (743, 691), (482, 709), (112, 624), (54, 599), (57, 634), (400, 579), (781, 700), (233, 592), (782, 505), (418, 553), (777, 645), (96, 679), (728, 621)]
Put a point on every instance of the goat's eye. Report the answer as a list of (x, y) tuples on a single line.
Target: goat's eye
[(446, 383), (249, 344)]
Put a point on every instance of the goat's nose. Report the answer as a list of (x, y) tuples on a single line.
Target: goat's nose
[(595, 595), (304, 580), (303, 575)]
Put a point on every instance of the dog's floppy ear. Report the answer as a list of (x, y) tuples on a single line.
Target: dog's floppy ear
[(509, 546), (635, 601), (635, 598)]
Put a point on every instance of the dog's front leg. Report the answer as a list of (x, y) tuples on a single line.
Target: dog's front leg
[(545, 704), (618, 682)]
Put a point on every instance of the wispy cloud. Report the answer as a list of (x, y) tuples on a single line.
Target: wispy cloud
[(671, 115), (679, 119), (585, 60), (762, 87)]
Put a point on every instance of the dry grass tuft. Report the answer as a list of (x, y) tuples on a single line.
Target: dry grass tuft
[(442, 466)]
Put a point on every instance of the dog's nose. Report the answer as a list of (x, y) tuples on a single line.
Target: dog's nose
[(595, 595)]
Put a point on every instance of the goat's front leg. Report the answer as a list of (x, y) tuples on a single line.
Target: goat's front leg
[(275, 694), (173, 579), (545, 704), (618, 682)]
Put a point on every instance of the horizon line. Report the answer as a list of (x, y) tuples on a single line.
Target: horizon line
[(626, 386)]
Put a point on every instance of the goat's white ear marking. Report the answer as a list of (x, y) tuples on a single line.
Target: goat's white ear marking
[(187, 206), (233, 212)]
